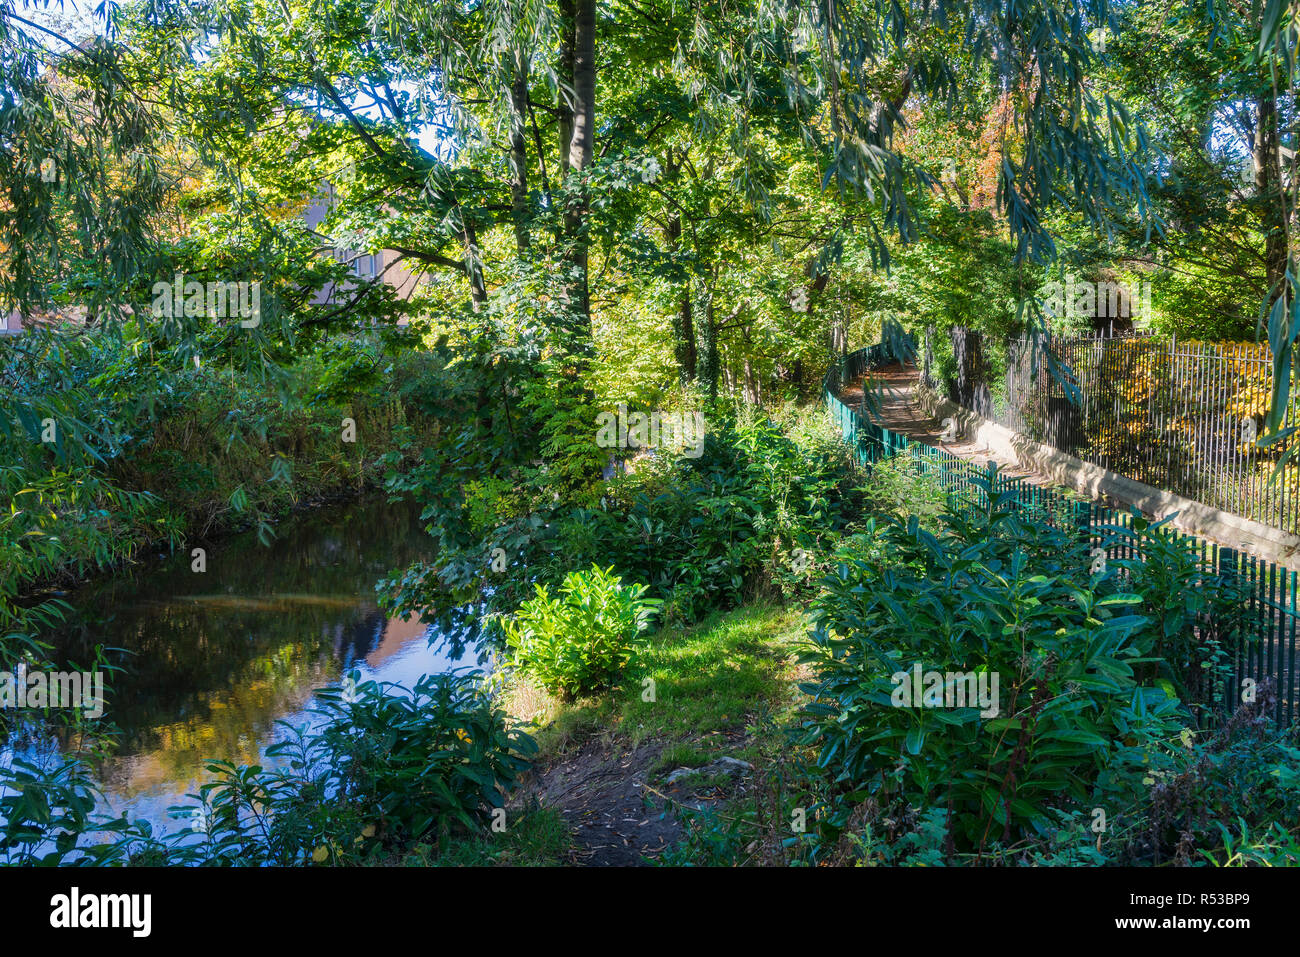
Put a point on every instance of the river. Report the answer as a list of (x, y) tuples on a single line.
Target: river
[(212, 662)]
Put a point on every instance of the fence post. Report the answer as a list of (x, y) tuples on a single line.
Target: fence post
[(1083, 521), (1166, 417)]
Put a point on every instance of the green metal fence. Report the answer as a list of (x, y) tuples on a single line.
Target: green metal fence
[(1270, 613)]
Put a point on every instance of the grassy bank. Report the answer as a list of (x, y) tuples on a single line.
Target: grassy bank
[(718, 689), (709, 680)]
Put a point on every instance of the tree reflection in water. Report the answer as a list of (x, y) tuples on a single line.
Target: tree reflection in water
[(212, 661)]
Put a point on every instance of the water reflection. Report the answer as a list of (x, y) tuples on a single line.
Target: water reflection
[(212, 661)]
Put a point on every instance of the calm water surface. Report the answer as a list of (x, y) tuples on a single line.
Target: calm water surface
[(213, 661)]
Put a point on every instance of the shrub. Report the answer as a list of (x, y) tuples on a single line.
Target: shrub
[(1204, 794), (1093, 757), (1226, 796), (1192, 613), (997, 594), (900, 487), (727, 527), (385, 772), (583, 640)]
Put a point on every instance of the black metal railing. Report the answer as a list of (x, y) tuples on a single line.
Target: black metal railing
[(1186, 417), (1270, 612)]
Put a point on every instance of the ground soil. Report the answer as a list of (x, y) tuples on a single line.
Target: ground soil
[(618, 809)]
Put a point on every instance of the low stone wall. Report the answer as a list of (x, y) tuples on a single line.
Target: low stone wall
[(1234, 531)]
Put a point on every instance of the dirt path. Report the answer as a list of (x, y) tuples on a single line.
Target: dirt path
[(618, 809), (601, 791)]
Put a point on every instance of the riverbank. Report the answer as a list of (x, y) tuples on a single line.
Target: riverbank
[(688, 733), (212, 453)]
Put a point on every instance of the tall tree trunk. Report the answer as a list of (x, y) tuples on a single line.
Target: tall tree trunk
[(519, 152), (709, 330), (564, 74), (576, 119), (584, 84), (688, 355), (473, 266), (1268, 185), (684, 321), (564, 105), (581, 146)]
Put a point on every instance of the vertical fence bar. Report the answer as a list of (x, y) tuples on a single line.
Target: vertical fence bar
[(1293, 706)]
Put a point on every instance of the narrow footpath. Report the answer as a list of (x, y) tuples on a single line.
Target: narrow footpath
[(895, 387)]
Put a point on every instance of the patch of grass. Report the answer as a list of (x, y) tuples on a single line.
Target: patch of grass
[(535, 837), (714, 677), (699, 782), (676, 756), (723, 686)]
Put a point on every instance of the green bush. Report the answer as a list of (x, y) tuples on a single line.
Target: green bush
[(581, 641), (900, 487), (1192, 613), (1203, 795), (995, 594), (1225, 796), (756, 515), (166, 450), (385, 774), (1093, 756)]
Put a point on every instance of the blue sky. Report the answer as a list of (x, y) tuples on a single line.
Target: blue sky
[(77, 19)]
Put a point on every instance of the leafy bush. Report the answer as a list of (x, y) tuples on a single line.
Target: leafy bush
[(583, 640), (151, 452), (998, 594), (755, 516), (384, 774), (1192, 613), (1202, 795), (900, 487), (1225, 796), (1092, 757), (47, 817), (750, 517)]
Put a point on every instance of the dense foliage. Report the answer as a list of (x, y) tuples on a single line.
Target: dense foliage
[(994, 594), (172, 452), (757, 512), (581, 641), (1092, 747), (380, 773)]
